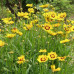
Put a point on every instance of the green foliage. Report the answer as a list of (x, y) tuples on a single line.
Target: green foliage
[(62, 5)]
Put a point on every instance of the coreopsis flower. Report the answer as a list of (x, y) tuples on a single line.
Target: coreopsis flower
[(43, 50), (10, 35), (29, 5), (29, 26), (59, 32), (53, 15), (26, 17), (72, 22), (30, 10), (21, 59), (56, 25), (64, 41), (47, 27), (62, 58), (14, 30), (47, 16), (25, 28), (44, 6), (52, 33), (42, 58), (0, 30), (8, 20), (61, 16), (72, 28), (34, 21), (2, 43), (68, 21), (53, 68), (46, 10), (20, 33), (67, 28), (38, 25), (22, 14), (52, 55)]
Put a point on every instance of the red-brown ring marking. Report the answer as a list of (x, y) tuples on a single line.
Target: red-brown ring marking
[(62, 58), (53, 15), (43, 59), (53, 56), (47, 27), (14, 28), (21, 59)]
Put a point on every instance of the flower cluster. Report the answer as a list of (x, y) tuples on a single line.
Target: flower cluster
[(51, 56), (8, 20)]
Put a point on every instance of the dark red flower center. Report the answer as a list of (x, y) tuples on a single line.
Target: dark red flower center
[(47, 27), (52, 56), (21, 59), (14, 28), (62, 57), (43, 59), (66, 29), (53, 15)]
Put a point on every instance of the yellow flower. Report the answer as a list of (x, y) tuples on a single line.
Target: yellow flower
[(68, 21), (43, 50), (59, 32), (31, 10), (47, 16), (53, 68), (56, 25), (53, 15), (20, 33), (25, 28), (22, 14), (26, 17), (47, 27), (29, 26), (46, 10), (42, 58), (2, 43), (72, 22), (52, 33), (39, 25), (44, 6), (21, 59), (10, 22), (52, 55), (14, 30), (10, 35), (64, 41), (72, 28), (61, 16), (34, 21), (67, 28), (62, 58), (0, 30), (29, 5), (7, 20)]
